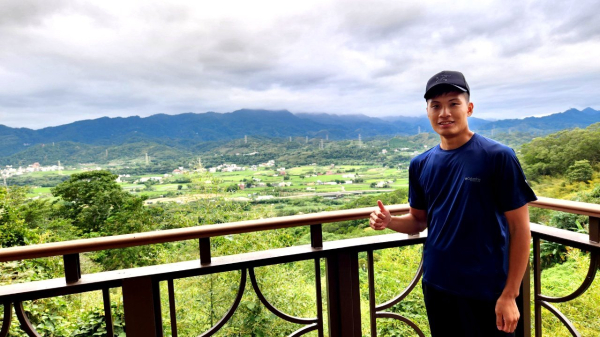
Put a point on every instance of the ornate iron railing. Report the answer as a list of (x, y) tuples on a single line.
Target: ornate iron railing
[(589, 243), (141, 290)]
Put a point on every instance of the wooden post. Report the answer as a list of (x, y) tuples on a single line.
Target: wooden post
[(537, 286), (594, 229), (316, 236), (343, 295), (72, 268), (205, 257), (141, 301)]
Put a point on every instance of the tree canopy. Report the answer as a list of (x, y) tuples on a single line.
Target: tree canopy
[(91, 199), (555, 153)]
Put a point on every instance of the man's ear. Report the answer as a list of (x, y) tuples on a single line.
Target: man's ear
[(470, 109)]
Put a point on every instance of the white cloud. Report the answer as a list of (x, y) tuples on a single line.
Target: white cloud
[(62, 61)]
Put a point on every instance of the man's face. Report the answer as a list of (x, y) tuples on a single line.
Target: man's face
[(448, 114)]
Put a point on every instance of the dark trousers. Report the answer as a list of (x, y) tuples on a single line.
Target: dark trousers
[(455, 316)]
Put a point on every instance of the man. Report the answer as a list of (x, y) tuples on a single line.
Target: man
[(471, 194)]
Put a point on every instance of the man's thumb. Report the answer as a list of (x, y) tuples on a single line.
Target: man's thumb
[(381, 207)]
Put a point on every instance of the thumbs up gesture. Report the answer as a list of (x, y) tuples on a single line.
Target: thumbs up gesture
[(380, 218)]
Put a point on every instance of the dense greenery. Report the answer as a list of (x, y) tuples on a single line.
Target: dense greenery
[(15, 230), (571, 152), (43, 181)]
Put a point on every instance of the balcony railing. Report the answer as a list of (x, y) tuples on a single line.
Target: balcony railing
[(141, 286)]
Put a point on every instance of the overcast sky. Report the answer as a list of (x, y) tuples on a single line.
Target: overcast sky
[(62, 61)]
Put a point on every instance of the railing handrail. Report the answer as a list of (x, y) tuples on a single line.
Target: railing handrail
[(196, 232), (576, 207), (219, 263), (180, 234), (565, 237)]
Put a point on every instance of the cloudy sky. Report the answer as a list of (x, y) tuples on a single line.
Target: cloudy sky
[(62, 61)]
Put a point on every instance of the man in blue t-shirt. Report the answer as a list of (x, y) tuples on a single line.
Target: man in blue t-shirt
[(471, 194)]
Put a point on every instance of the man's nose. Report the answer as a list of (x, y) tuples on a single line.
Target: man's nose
[(445, 112)]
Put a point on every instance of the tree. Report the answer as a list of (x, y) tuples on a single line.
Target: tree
[(556, 153), (581, 170), (13, 228), (89, 199), (232, 188), (596, 193), (148, 186), (98, 206)]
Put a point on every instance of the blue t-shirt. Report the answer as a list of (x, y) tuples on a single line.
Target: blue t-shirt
[(465, 192)]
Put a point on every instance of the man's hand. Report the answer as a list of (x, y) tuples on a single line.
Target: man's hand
[(507, 314), (380, 218)]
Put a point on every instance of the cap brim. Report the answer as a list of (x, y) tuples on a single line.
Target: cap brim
[(454, 85), (459, 87)]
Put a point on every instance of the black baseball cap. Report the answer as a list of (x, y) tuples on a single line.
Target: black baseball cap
[(447, 77)]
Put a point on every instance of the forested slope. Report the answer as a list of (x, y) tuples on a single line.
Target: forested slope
[(572, 153)]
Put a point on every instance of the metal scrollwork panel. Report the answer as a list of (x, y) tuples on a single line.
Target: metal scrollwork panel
[(544, 301), (26, 325), (6, 319), (279, 313), (587, 282), (377, 310), (232, 309)]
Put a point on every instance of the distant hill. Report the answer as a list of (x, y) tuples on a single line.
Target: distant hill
[(192, 128), (188, 131), (187, 127), (71, 152), (372, 126), (569, 119)]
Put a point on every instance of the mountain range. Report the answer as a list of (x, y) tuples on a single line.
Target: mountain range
[(190, 129)]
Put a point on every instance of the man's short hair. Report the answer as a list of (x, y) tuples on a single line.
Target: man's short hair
[(444, 89)]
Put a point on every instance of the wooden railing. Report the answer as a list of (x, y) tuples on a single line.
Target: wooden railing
[(141, 290), (590, 243)]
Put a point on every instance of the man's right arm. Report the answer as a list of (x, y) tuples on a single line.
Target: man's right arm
[(412, 223)]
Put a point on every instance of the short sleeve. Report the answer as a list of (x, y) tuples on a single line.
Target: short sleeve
[(512, 188), (416, 196)]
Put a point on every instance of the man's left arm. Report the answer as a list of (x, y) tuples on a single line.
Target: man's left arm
[(507, 313)]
